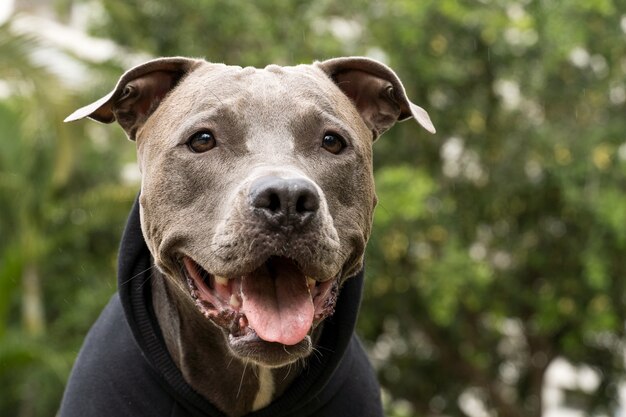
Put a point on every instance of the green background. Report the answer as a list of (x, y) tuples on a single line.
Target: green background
[(499, 243)]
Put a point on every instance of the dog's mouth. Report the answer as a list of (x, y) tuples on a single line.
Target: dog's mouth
[(277, 302)]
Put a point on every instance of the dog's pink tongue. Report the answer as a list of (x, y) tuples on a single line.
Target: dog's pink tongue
[(278, 305)]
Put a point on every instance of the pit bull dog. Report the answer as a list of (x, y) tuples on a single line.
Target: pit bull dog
[(240, 269)]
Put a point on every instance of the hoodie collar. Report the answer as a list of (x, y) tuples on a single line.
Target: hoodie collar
[(134, 273)]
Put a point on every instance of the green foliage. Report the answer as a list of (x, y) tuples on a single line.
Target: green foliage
[(498, 243), (234, 32), (526, 227), (62, 211), (406, 204)]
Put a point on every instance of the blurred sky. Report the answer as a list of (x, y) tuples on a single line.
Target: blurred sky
[(6, 7)]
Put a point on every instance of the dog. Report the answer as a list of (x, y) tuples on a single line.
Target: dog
[(256, 204)]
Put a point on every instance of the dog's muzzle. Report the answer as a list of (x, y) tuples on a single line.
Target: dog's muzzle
[(284, 202)]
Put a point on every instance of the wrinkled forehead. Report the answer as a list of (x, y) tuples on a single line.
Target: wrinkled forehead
[(272, 93)]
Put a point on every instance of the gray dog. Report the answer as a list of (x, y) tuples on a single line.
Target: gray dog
[(240, 270)]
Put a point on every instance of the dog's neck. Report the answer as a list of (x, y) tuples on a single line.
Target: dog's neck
[(199, 350)]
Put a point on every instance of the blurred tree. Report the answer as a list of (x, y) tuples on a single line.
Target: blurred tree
[(234, 32), (498, 245), (513, 255), (62, 211)]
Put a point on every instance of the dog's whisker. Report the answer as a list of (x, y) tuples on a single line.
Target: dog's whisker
[(242, 376), (324, 348), (137, 275), (317, 353), (147, 280), (288, 372)]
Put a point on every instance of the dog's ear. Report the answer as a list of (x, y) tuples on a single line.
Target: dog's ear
[(137, 94), (376, 91)]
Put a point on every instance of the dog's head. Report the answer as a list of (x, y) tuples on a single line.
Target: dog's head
[(257, 192)]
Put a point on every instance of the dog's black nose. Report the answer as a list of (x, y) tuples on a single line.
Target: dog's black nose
[(284, 201)]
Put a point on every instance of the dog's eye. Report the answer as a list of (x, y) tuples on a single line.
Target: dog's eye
[(333, 143), (201, 141)]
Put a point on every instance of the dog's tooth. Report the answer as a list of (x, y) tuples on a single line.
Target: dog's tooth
[(310, 282), (221, 280), (234, 301)]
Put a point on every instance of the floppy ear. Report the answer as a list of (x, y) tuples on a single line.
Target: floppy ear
[(137, 94), (376, 91)]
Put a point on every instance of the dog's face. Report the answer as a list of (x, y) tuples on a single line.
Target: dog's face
[(257, 192), (249, 199)]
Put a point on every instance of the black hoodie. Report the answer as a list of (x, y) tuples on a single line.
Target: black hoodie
[(124, 368)]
